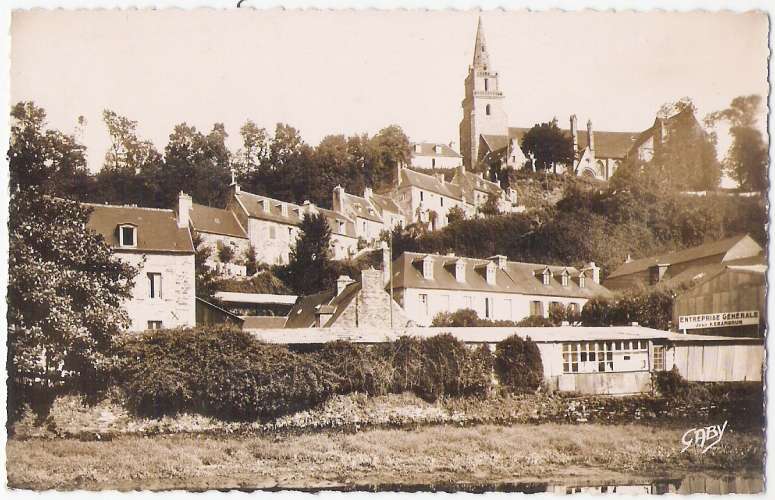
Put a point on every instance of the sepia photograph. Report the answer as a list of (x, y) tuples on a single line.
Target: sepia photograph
[(397, 250)]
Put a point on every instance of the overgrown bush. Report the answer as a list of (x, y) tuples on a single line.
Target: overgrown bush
[(670, 383), (218, 372), (650, 308), (405, 354), (518, 364), (359, 368), (225, 253)]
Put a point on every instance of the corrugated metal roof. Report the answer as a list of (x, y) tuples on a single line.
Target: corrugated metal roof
[(490, 334), (719, 248), (157, 229), (516, 277)]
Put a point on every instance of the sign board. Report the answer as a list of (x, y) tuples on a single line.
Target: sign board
[(718, 320)]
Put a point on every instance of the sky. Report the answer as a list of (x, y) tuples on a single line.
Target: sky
[(347, 72)]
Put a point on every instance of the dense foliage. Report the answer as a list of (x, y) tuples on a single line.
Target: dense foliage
[(217, 371), (649, 308), (65, 287), (548, 146), (518, 364), (360, 368), (310, 257)]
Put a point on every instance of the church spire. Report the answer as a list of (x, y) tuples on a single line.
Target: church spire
[(481, 59)]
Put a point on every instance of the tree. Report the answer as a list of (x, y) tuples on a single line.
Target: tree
[(389, 148), (490, 207), (197, 164), (49, 159), (251, 260), (747, 158), (518, 364), (549, 145), (205, 278), (65, 294), (131, 167), (455, 214), (685, 154), (310, 256)]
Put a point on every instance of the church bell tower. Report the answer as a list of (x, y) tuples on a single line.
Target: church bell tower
[(483, 104)]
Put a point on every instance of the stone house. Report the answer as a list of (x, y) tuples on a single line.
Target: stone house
[(368, 220), (159, 243), (497, 289), (428, 155), (428, 198), (273, 226), (352, 304), (478, 190), (217, 228)]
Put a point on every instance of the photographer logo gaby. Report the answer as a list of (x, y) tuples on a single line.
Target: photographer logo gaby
[(704, 438)]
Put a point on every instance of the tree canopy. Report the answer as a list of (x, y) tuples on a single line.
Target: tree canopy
[(549, 145), (310, 256)]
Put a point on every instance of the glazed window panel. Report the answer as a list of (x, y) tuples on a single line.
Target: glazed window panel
[(605, 356)]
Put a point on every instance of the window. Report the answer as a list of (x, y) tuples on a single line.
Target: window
[(536, 308), (422, 196), (659, 358), (564, 280), (600, 357), (272, 233), (127, 236), (424, 303), (487, 110), (154, 325), (582, 280), (433, 162), (486, 84), (364, 226), (441, 200), (488, 312), (290, 232), (154, 285), (341, 226), (547, 277)]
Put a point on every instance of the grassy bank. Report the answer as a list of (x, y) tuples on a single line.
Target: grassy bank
[(428, 455)]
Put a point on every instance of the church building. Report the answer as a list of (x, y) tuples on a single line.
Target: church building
[(485, 133)]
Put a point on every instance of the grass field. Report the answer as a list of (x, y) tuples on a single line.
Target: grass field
[(434, 454)]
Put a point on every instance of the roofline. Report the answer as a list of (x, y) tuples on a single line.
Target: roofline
[(464, 289), (138, 250), (220, 234), (127, 206)]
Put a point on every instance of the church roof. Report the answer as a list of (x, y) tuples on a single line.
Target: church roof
[(429, 183), (607, 144), (481, 58), (427, 149)]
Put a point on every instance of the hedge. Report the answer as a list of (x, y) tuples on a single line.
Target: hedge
[(518, 364), (218, 371)]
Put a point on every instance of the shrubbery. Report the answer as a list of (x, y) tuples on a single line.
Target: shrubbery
[(225, 373), (670, 383), (469, 317), (651, 308), (518, 364), (219, 372)]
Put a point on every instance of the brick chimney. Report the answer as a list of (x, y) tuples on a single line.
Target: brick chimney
[(184, 208)]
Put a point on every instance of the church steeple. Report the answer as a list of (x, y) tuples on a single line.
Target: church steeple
[(481, 59)]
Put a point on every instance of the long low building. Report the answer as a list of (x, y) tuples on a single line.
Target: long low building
[(588, 360), (496, 288)]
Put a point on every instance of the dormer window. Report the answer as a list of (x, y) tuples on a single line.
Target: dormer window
[(546, 276), (427, 268), (565, 278), (460, 271), (491, 269), (265, 205), (437, 149), (582, 280), (127, 235), (417, 148)]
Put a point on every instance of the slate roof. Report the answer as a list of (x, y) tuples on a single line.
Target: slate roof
[(385, 203), (607, 144), (720, 247), (516, 277), (253, 203), (427, 149), (469, 182), (216, 221), (157, 229), (302, 314), (429, 183), (360, 207)]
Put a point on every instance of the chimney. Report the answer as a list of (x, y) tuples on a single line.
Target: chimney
[(590, 136), (338, 199), (574, 132), (371, 281), (628, 259), (367, 192), (398, 174), (234, 186), (184, 208), (418, 148), (594, 271), (309, 207), (341, 283)]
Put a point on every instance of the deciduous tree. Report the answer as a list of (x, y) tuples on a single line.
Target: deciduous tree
[(549, 145)]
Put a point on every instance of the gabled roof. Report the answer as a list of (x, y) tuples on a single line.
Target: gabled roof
[(216, 221), (699, 274), (428, 149), (607, 144), (471, 182), (360, 207), (253, 203), (716, 248), (429, 183), (515, 277), (303, 313), (385, 203), (157, 229)]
